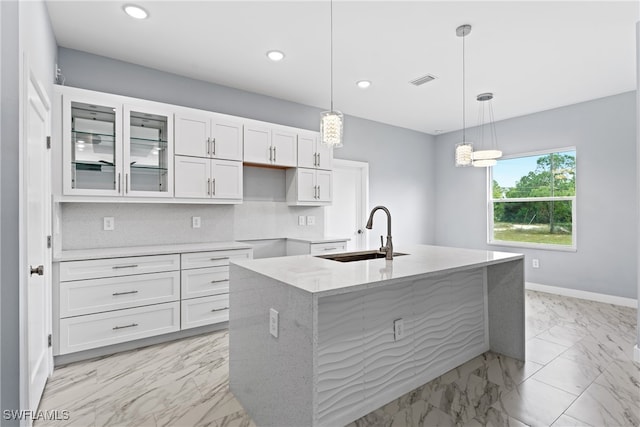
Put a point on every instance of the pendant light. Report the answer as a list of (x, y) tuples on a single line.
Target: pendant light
[(488, 156), (464, 149), (331, 122)]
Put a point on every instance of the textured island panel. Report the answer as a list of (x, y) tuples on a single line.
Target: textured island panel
[(506, 308), (272, 377), (340, 356), (449, 322)]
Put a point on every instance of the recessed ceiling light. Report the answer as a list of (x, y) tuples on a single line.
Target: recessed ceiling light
[(363, 84), (135, 11), (275, 55)]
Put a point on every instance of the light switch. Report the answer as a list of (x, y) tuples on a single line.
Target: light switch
[(109, 223), (301, 220), (311, 220), (398, 329), (195, 222)]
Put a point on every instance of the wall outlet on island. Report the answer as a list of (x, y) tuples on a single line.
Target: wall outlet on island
[(398, 329), (535, 263), (273, 322)]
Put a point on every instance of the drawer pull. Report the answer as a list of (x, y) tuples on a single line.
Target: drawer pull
[(115, 267), (330, 249), (115, 328), (219, 309), (124, 293), (220, 258), (220, 281)]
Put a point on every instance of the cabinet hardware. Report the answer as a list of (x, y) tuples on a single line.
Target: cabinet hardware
[(115, 328), (315, 159), (318, 192), (330, 249), (219, 259), (208, 186), (219, 309), (318, 160), (214, 146), (208, 146), (213, 187), (115, 267), (126, 183), (274, 154), (220, 281), (270, 154), (124, 293), (118, 183), (39, 270)]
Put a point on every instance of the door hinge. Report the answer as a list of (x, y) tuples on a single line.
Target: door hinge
[(48, 142), (49, 340), (48, 242)]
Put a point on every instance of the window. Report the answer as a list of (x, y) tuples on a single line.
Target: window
[(532, 201)]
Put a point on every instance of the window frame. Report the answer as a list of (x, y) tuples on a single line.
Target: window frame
[(528, 245)]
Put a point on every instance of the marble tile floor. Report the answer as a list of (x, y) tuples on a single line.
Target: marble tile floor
[(579, 371)]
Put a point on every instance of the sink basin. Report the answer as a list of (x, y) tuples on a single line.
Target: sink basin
[(357, 256)]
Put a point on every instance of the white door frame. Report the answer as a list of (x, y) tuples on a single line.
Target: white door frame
[(364, 192), (28, 77)]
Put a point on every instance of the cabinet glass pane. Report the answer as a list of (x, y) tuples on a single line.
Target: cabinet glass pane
[(93, 151), (148, 154)]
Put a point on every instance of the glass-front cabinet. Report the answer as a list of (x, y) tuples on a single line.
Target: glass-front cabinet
[(111, 149)]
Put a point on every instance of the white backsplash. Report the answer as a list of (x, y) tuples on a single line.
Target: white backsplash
[(81, 224)]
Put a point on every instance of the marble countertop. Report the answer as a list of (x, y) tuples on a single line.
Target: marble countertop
[(80, 254), (325, 277)]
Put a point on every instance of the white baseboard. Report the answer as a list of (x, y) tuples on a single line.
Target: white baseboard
[(636, 353), (592, 296)]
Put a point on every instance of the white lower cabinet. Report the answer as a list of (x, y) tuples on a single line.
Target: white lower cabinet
[(113, 327), (109, 301), (204, 311)]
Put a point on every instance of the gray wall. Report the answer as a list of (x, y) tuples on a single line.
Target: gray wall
[(604, 134), (25, 32), (399, 159)]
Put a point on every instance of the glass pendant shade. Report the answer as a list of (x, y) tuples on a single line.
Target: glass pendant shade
[(464, 154), (484, 163), (487, 154), (331, 128)]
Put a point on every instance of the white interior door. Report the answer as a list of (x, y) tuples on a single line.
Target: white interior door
[(36, 295), (347, 215)]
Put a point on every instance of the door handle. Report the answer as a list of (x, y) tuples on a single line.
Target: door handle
[(39, 270), (360, 231)]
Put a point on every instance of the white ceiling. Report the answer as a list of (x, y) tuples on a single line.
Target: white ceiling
[(534, 55)]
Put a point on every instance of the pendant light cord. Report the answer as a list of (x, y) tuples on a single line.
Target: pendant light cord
[(331, 48), (464, 139)]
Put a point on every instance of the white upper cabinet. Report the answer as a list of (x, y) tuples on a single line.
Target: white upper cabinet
[(114, 149), (208, 135), (312, 153), (309, 187), (202, 178), (272, 146), (226, 179)]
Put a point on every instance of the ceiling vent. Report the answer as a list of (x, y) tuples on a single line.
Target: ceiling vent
[(422, 80)]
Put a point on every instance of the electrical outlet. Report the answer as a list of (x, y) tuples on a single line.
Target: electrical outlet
[(109, 223), (273, 322), (535, 263), (301, 220), (398, 329), (195, 222), (311, 220)]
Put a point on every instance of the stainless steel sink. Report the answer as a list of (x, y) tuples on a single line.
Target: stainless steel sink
[(357, 256)]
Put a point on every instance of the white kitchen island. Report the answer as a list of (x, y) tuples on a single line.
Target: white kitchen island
[(354, 336)]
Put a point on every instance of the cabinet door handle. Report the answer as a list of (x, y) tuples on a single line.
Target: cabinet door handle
[(213, 187), (115, 267), (126, 183), (220, 258), (274, 154), (115, 328), (318, 192), (208, 146), (213, 142), (208, 186), (124, 293), (219, 309), (220, 281), (318, 160), (118, 183), (271, 154)]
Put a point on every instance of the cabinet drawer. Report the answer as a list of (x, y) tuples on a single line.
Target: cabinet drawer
[(114, 267), (327, 248), (202, 282), (205, 311), (113, 293), (97, 330), (212, 259)]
